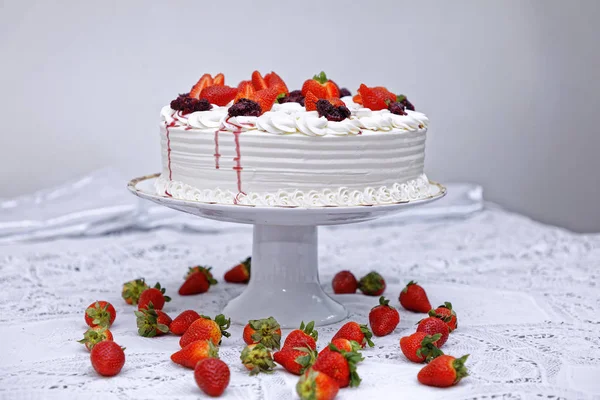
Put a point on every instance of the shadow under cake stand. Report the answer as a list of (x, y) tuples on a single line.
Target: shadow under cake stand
[(285, 267)]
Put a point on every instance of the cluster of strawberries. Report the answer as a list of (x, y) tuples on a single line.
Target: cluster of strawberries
[(431, 333), (257, 95)]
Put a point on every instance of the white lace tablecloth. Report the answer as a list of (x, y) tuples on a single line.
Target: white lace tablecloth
[(527, 297)]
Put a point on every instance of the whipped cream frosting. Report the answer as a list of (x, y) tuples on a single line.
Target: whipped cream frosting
[(291, 118)]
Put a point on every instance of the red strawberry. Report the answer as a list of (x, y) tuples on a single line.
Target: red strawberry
[(155, 295), (375, 98), (310, 101), (295, 360), (183, 321), (420, 347), (357, 99), (245, 91), (265, 99), (132, 290), (205, 270), (336, 102), (306, 336), (240, 273), (95, 335), (205, 81), (431, 326), (342, 344), (258, 82), (321, 87), (100, 313), (212, 376), (443, 371), (414, 298), (446, 314), (257, 358), (219, 95), (206, 329), (107, 358), (195, 283), (274, 81), (344, 282), (266, 331), (151, 322), (383, 318), (340, 365), (219, 80), (315, 385), (353, 331), (372, 284), (194, 352)]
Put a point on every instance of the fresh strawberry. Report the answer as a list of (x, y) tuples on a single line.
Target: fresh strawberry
[(342, 344), (354, 331), (265, 99), (219, 80), (420, 347), (372, 284), (446, 314), (414, 298), (95, 335), (107, 358), (240, 273), (212, 376), (219, 95), (306, 336), (258, 82), (100, 313), (194, 352), (257, 358), (151, 322), (274, 81), (315, 385), (321, 87), (295, 359), (340, 365), (195, 283), (183, 321), (336, 102), (344, 282), (155, 295), (431, 326), (132, 290), (205, 81), (375, 98), (206, 329), (383, 318), (357, 99), (266, 331), (443, 371), (310, 101), (205, 270), (245, 91)]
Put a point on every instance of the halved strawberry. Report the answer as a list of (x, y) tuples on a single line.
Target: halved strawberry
[(265, 99), (205, 81), (336, 102), (245, 91), (357, 99), (219, 80), (258, 81), (219, 95), (274, 81), (310, 101), (321, 87), (375, 98)]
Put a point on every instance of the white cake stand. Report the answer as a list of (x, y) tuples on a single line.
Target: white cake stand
[(285, 267)]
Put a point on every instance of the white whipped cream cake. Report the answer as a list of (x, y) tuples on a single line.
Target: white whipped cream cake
[(259, 145)]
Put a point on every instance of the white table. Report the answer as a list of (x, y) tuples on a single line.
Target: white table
[(527, 298)]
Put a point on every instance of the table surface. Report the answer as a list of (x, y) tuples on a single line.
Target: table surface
[(527, 298)]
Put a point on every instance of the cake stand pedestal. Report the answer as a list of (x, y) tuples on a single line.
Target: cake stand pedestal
[(285, 268)]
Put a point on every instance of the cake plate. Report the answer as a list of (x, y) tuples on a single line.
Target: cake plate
[(285, 267)]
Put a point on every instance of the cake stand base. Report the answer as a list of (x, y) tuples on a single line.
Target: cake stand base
[(285, 280)]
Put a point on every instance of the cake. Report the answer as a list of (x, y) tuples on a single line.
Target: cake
[(258, 144)]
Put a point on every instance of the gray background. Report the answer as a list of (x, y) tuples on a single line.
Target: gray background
[(511, 87)]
